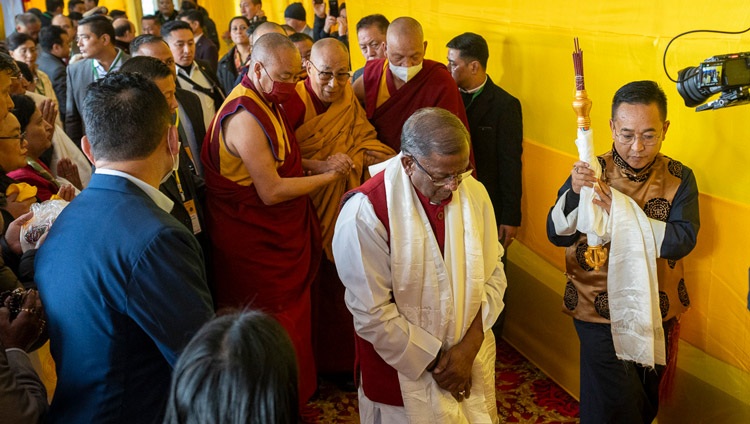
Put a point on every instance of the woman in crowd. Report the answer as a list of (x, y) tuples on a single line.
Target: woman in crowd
[(23, 48), (238, 55), (38, 135), (238, 369)]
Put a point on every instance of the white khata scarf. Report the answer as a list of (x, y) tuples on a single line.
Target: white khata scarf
[(632, 284), (441, 295)]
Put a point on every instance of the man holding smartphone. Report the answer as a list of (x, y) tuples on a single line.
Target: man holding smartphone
[(333, 24)]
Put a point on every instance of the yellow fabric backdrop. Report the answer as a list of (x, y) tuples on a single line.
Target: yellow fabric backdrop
[(530, 56)]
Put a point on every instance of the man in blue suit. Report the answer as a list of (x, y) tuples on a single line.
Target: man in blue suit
[(123, 282)]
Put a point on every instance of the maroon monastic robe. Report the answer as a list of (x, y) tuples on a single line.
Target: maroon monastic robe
[(264, 256)]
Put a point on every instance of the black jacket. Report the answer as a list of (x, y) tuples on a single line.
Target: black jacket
[(227, 72), (496, 127)]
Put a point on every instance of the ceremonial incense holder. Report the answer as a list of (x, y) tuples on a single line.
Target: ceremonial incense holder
[(595, 256)]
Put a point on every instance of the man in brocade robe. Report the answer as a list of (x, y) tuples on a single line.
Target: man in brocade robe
[(652, 200)]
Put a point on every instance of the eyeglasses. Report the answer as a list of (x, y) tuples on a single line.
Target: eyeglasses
[(452, 65), (326, 76), (21, 137), (442, 182), (647, 139), (373, 45)]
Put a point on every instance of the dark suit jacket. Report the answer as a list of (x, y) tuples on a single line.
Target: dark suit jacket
[(80, 75), (163, 18), (124, 287), (496, 127), (191, 104), (206, 50), (55, 68), (23, 398), (193, 188)]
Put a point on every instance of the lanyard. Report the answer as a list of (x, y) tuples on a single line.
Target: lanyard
[(114, 64), (176, 173), (179, 184)]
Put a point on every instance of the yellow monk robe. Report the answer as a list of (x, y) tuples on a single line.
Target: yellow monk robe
[(341, 128), (321, 131)]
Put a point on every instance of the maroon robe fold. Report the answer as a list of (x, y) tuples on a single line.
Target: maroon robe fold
[(264, 256)]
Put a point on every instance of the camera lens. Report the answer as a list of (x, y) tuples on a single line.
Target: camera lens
[(688, 86), (692, 89)]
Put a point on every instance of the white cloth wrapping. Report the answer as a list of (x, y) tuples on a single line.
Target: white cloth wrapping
[(436, 299), (591, 218), (632, 284)]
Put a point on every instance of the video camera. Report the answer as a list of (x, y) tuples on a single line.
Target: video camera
[(728, 74)]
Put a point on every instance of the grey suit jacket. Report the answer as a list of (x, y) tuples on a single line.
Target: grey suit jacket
[(80, 75), (55, 68), (23, 398)]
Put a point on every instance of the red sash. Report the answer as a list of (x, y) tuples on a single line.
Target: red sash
[(380, 380)]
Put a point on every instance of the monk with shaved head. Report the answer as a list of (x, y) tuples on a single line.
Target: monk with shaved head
[(266, 28), (264, 233), (329, 120), (392, 89)]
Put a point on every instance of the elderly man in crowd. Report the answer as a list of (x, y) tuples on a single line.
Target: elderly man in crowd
[(416, 247), (371, 33)]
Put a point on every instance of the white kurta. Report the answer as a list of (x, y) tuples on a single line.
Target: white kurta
[(410, 302)]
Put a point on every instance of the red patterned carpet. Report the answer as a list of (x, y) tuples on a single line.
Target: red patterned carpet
[(524, 395)]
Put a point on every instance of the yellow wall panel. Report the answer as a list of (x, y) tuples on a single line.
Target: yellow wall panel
[(530, 47), (530, 56)]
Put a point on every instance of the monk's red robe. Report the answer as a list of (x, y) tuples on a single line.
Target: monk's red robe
[(388, 108), (264, 256)]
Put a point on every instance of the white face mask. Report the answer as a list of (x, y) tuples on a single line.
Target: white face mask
[(404, 73)]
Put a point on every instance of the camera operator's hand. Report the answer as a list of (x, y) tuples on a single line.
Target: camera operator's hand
[(28, 325), (100, 10)]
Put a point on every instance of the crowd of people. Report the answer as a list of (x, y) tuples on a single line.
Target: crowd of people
[(350, 224)]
